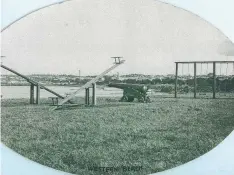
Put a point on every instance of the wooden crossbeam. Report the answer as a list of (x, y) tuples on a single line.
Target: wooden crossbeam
[(199, 62), (19, 74)]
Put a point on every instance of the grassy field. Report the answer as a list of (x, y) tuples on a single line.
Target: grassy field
[(157, 136)]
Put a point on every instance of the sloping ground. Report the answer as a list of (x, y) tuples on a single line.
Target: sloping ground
[(157, 136)]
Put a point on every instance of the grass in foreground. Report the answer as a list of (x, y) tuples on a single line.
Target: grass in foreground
[(157, 136)]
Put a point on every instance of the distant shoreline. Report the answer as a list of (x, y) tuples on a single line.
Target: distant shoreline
[(44, 85), (54, 85)]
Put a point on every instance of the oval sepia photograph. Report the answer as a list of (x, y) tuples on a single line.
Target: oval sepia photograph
[(119, 87)]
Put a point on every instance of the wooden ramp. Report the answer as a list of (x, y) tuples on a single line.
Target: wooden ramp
[(33, 82), (89, 84)]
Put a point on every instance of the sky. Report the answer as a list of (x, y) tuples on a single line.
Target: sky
[(140, 58), (217, 12)]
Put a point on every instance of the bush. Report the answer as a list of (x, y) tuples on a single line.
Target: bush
[(167, 88)]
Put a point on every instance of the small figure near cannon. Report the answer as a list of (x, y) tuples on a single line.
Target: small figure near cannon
[(132, 91)]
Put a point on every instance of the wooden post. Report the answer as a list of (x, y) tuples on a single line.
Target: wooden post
[(86, 101), (38, 94), (31, 93), (87, 96), (94, 94), (214, 80), (176, 80), (195, 80)]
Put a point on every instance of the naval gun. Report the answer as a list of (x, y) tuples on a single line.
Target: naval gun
[(132, 91)]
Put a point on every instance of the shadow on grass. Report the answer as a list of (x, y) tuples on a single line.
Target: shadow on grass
[(19, 102), (82, 106)]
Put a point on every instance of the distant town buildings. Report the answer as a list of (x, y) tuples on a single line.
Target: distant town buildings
[(73, 80)]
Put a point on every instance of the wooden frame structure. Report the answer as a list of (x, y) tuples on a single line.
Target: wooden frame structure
[(32, 85), (194, 63), (91, 84)]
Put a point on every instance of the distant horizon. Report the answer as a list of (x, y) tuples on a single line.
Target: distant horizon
[(10, 73)]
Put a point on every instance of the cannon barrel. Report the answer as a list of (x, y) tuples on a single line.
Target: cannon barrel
[(140, 87)]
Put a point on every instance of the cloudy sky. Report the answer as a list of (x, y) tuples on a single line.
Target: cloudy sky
[(83, 35)]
